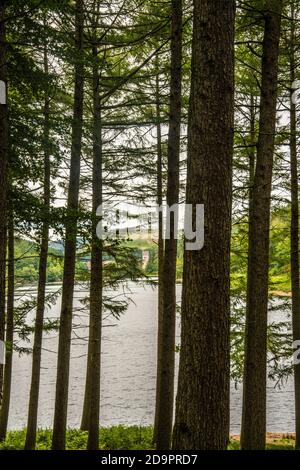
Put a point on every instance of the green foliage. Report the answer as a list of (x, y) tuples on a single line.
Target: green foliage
[(279, 253), (27, 263), (118, 438), (152, 265), (284, 443), (113, 438), (126, 438)]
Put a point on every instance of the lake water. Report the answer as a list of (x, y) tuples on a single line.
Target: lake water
[(128, 371)]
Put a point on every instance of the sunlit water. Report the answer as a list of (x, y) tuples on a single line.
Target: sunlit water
[(128, 372)]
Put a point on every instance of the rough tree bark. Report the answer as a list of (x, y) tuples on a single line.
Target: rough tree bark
[(90, 414), (63, 360), (9, 329), (202, 404), (159, 188), (252, 152), (3, 177), (167, 356), (253, 431), (294, 225), (96, 287), (30, 440)]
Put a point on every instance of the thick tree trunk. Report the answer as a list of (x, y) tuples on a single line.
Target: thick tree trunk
[(65, 331), (9, 331), (3, 177), (160, 256), (295, 231), (255, 366), (167, 356), (41, 294), (202, 404)]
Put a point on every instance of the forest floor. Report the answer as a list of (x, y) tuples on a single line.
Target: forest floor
[(274, 441), (125, 438), (280, 293)]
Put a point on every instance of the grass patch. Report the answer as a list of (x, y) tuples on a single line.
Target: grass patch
[(276, 443), (113, 438), (122, 438)]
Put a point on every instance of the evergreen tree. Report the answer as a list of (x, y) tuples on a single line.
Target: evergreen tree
[(202, 404)]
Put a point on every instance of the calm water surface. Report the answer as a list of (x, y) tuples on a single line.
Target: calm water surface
[(128, 371)]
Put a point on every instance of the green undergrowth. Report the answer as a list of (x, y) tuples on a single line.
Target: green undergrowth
[(116, 438), (272, 444), (113, 438)]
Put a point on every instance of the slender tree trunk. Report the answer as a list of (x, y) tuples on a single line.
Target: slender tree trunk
[(84, 426), (295, 263), (3, 177), (295, 230), (167, 356), (160, 256), (202, 405), (9, 331), (92, 385), (253, 432), (252, 153), (96, 271), (39, 320), (65, 331)]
